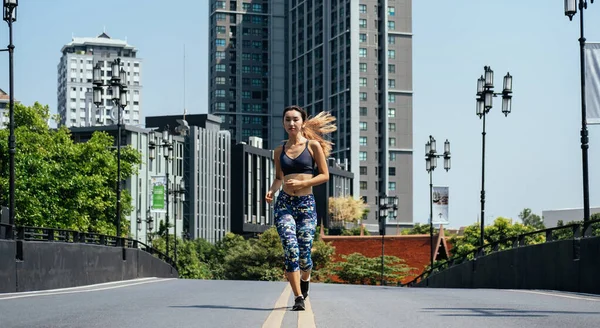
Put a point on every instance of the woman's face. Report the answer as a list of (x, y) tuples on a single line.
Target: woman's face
[(292, 122)]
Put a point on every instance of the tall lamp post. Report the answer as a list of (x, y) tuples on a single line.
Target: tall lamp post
[(10, 16), (388, 205), (149, 225), (570, 11), (178, 191), (431, 157), (167, 144), (118, 92), (485, 95)]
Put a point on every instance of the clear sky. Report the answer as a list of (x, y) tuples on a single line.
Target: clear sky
[(533, 157)]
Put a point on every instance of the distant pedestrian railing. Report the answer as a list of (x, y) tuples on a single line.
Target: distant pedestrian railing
[(26, 233), (575, 231)]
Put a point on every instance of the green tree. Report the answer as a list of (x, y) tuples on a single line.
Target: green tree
[(502, 228), (419, 229), (530, 219), (359, 269), (62, 184), (189, 265), (322, 257), (253, 259), (563, 234)]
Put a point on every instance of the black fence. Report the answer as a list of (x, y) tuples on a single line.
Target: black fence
[(25, 233), (575, 232)]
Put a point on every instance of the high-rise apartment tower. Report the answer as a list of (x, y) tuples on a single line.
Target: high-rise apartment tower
[(247, 68), (75, 105), (354, 58)]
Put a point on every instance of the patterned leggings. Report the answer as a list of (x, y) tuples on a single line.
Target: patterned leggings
[(296, 219)]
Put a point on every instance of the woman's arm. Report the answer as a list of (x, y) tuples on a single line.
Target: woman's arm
[(278, 174)]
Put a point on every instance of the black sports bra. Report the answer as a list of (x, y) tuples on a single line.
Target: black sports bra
[(303, 163)]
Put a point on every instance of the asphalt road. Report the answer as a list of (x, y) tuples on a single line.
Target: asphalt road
[(151, 303)]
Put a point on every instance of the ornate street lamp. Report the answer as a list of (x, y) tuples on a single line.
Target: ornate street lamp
[(485, 94), (118, 88), (10, 16), (570, 11), (431, 157), (388, 206)]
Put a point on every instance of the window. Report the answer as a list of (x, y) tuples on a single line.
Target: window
[(392, 126), (362, 9), (392, 11), (391, 68), (362, 52), (363, 82), (363, 23), (363, 111), (391, 54), (221, 16), (220, 106), (392, 157), (221, 55), (392, 171), (219, 93), (363, 185), (363, 170), (220, 80), (363, 67), (220, 42), (363, 37), (362, 126), (362, 155), (363, 96), (391, 25), (391, 112), (220, 68), (391, 186), (391, 39), (221, 30), (392, 84), (362, 141), (391, 98), (392, 142)]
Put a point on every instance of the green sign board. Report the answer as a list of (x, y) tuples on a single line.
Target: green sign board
[(157, 197)]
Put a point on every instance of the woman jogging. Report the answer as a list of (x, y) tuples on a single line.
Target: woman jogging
[(295, 210)]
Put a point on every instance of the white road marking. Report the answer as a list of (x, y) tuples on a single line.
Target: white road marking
[(75, 288), (275, 318), (83, 291), (556, 295)]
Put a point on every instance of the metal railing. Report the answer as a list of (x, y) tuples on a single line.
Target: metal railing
[(27, 233), (521, 240)]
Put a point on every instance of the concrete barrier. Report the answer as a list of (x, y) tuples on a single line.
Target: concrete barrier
[(566, 265), (51, 265)]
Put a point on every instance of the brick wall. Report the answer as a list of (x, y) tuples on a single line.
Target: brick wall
[(413, 249)]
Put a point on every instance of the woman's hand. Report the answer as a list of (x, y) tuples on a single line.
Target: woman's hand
[(269, 197), (295, 184)]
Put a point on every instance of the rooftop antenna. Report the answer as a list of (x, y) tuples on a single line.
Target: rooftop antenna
[(184, 109), (183, 127)]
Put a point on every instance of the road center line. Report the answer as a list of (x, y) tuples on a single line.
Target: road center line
[(556, 295), (306, 319), (275, 318), (83, 291)]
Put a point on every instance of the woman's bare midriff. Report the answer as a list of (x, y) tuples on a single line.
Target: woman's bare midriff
[(300, 177)]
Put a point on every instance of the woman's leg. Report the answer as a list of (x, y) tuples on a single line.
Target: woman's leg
[(306, 224), (286, 227)]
